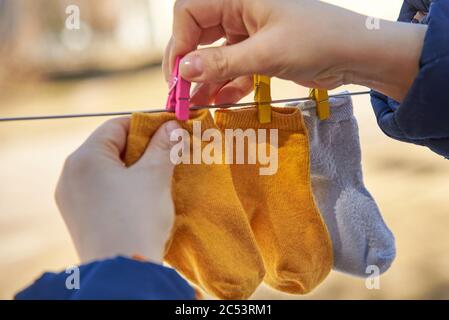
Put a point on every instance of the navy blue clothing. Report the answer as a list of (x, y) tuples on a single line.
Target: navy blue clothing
[(423, 116), (117, 278), (411, 7)]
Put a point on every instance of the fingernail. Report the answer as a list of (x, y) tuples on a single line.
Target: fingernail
[(191, 67), (170, 127)]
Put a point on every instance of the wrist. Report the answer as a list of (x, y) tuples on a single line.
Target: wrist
[(147, 247), (386, 58)]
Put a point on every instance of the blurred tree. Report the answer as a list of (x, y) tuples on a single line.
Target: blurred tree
[(114, 35)]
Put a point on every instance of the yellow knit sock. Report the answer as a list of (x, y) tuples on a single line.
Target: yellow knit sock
[(291, 235), (212, 244)]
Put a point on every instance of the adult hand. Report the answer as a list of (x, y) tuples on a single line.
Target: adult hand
[(113, 210), (306, 41)]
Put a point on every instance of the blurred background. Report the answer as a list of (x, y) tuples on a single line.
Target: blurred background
[(112, 63)]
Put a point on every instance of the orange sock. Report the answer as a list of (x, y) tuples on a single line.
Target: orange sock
[(212, 244), (291, 235)]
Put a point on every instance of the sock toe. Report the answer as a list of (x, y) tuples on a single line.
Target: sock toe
[(383, 256), (365, 239)]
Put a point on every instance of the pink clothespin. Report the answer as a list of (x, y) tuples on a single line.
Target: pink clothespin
[(179, 94)]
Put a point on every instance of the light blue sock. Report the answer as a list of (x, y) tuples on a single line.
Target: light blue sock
[(359, 234)]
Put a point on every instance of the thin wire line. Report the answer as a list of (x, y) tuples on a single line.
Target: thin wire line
[(124, 113)]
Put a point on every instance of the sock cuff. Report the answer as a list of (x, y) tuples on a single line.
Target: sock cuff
[(141, 123), (341, 109), (204, 116), (288, 119), (144, 124)]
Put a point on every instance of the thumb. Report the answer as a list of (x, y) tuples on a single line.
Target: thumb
[(159, 148), (226, 62)]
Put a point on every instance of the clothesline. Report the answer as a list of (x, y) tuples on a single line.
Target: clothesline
[(123, 113)]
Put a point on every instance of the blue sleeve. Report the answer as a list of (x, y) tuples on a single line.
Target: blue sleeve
[(423, 116), (113, 279), (411, 7)]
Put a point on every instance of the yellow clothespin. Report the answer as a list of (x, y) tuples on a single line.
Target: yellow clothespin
[(321, 98), (262, 93)]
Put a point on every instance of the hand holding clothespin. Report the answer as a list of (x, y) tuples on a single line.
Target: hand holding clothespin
[(262, 95), (179, 94), (321, 98)]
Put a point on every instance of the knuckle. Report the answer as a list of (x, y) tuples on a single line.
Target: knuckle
[(72, 169), (78, 162), (114, 124)]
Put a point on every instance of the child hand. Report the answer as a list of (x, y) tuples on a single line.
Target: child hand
[(113, 210), (309, 42)]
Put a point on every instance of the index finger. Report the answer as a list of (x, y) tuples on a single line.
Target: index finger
[(190, 19), (110, 136)]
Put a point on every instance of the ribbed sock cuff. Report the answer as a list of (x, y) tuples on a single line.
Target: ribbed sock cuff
[(341, 109), (140, 122), (288, 119)]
